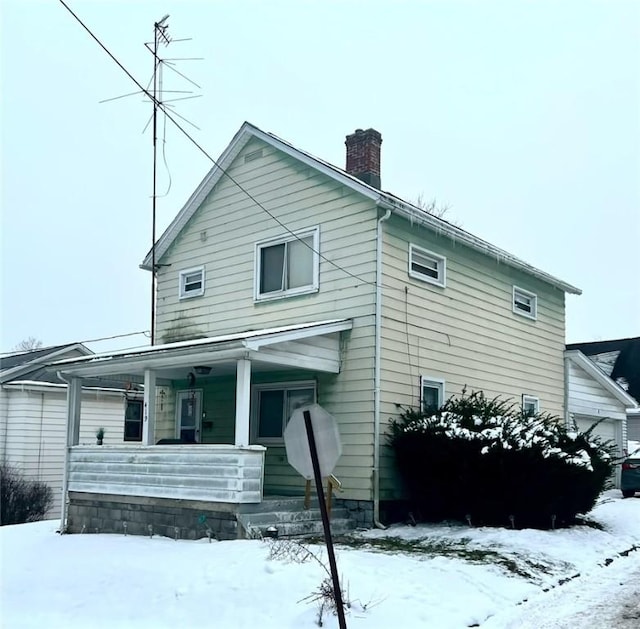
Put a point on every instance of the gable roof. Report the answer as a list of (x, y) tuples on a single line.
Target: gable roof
[(579, 359), (620, 357), (31, 365), (385, 200)]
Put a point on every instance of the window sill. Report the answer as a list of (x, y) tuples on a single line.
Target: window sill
[(182, 297), (286, 294), (531, 317)]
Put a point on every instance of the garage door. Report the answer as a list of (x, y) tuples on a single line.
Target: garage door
[(608, 430)]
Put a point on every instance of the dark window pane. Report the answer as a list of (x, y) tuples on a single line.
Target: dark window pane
[(133, 421), (430, 399), (270, 410), (271, 268)]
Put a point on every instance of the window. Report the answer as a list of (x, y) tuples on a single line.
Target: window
[(273, 405), (431, 394), (427, 266), (287, 266), (192, 282), (530, 404), (133, 420), (525, 303)]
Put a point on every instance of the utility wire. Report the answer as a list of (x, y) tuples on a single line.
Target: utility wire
[(193, 141)]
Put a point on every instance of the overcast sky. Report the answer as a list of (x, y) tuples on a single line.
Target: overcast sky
[(523, 117)]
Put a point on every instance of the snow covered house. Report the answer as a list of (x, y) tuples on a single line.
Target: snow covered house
[(285, 280), (33, 414)]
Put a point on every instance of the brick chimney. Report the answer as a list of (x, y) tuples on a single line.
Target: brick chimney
[(363, 156)]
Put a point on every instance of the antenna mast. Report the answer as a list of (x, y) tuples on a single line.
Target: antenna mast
[(159, 36)]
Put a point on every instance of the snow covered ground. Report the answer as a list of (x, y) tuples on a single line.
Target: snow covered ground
[(426, 576)]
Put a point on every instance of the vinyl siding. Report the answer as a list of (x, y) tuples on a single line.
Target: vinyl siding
[(590, 403), (221, 236), (465, 333), (36, 431)]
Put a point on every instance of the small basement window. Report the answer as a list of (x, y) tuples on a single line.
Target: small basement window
[(191, 282), (530, 404), (525, 303), (431, 394), (427, 266)]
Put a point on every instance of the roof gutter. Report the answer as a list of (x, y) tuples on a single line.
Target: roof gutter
[(456, 234)]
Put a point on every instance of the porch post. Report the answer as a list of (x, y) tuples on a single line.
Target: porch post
[(243, 392), (149, 413), (74, 401)]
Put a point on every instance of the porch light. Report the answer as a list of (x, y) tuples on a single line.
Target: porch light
[(202, 370)]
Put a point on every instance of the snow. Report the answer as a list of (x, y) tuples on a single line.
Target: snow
[(455, 577)]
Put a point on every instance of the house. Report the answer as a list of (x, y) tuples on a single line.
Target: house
[(620, 360), (33, 414), (285, 280), (595, 401)]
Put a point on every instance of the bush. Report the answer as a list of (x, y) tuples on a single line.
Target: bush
[(22, 500), (484, 460)]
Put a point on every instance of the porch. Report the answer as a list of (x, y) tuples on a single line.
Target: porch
[(210, 426)]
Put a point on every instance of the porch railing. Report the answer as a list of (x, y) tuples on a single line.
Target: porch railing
[(213, 473)]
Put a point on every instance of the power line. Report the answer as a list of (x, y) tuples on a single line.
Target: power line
[(160, 106)]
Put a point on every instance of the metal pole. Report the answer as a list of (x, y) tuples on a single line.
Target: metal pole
[(153, 217), (337, 592)]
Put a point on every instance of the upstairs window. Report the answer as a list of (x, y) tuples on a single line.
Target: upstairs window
[(191, 282), (525, 303), (530, 404), (287, 266), (427, 266), (431, 394)]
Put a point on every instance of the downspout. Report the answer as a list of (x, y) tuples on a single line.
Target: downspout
[(65, 472), (4, 418), (566, 392), (376, 376)]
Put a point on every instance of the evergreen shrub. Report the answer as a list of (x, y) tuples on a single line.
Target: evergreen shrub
[(485, 461), (21, 499)]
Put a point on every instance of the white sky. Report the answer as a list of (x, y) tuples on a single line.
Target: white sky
[(524, 117)]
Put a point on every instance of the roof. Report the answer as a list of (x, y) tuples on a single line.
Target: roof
[(212, 350), (578, 358), (619, 357), (31, 365), (383, 199)]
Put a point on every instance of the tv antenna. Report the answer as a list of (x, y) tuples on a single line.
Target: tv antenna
[(156, 91)]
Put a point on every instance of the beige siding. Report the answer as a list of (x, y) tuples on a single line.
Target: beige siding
[(36, 430), (222, 236), (465, 333)]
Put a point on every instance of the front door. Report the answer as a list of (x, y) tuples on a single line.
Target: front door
[(189, 415)]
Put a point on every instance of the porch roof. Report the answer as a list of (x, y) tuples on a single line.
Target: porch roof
[(313, 346)]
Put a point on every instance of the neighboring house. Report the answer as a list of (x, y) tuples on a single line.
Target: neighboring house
[(620, 360), (285, 280), (33, 415), (596, 402)]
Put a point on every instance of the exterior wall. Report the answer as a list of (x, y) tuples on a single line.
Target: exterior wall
[(338, 397), (466, 333), (36, 430), (222, 236)]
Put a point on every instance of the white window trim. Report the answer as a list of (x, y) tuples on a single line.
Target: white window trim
[(436, 383), (302, 290), (531, 399), (440, 260), (532, 315), (275, 386), (181, 277)]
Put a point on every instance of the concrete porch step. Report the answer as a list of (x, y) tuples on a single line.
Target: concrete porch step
[(290, 519)]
